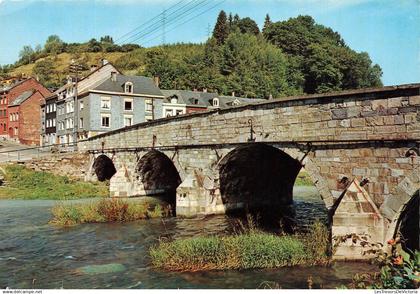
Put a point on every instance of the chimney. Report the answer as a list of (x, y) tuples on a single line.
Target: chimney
[(113, 76), (104, 62), (93, 67), (204, 90), (233, 94), (156, 81)]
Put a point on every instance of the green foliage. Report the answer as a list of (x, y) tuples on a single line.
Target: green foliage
[(54, 45), (399, 269), (24, 183), (321, 56), (288, 58), (26, 55), (221, 29), (45, 72), (250, 249), (105, 210), (247, 26)]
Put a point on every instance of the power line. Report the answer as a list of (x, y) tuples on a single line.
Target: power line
[(157, 23), (195, 16), (146, 22), (176, 18), (163, 26)]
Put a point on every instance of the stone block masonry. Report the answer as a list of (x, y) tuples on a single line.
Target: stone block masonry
[(73, 165)]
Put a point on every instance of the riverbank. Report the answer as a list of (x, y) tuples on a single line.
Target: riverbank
[(303, 179), (248, 250), (23, 183)]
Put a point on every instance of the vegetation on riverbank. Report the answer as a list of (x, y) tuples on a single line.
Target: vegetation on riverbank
[(398, 270), (105, 211), (303, 179), (23, 183), (250, 249)]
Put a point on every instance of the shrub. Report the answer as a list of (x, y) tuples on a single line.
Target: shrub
[(105, 210), (249, 249)]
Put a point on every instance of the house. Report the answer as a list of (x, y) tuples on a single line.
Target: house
[(179, 102), (118, 101), (9, 93), (24, 125), (62, 108)]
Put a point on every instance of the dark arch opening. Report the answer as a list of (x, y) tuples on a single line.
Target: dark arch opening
[(258, 179), (159, 176), (104, 168), (409, 224)]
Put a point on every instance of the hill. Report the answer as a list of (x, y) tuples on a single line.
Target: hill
[(287, 57)]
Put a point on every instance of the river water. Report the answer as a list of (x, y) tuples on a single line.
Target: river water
[(34, 254)]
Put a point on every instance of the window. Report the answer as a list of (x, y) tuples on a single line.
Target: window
[(128, 120), (16, 131), (178, 112), (105, 118), (106, 103), (70, 106), (81, 105), (53, 122), (128, 104), (149, 105), (53, 107), (168, 112), (216, 102), (4, 127), (81, 123), (128, 87)]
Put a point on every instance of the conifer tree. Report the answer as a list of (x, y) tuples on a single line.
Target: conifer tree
[(221, 30), (267, 23)]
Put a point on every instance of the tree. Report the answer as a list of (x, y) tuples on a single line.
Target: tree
[(45, 71), (248, 26), (107, 39), (54, 45), (26, 55), (221, 30), (267, 22), (94, 46)]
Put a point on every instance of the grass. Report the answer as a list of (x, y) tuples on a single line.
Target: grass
[(251, 249), (23, 183), (303, 179), (105, 211)]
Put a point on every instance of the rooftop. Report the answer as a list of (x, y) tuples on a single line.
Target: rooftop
[(22, 97)]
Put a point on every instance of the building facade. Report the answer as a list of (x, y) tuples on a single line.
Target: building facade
[(24, 125), (8, 95), (119, 101), (60, 110)]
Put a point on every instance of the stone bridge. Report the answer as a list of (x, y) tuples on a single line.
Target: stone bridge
[(360, 148)]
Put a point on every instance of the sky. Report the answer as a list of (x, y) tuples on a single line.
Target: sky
[(389, 30)]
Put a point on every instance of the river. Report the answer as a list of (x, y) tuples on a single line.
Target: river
[(35, 254)]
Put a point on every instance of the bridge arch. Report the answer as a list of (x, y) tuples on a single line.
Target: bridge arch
[(104, 168), (402, 207), (158, 175)]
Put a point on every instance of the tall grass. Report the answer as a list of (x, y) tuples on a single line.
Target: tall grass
[(105, 210), (251, 249), (23, 183)]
